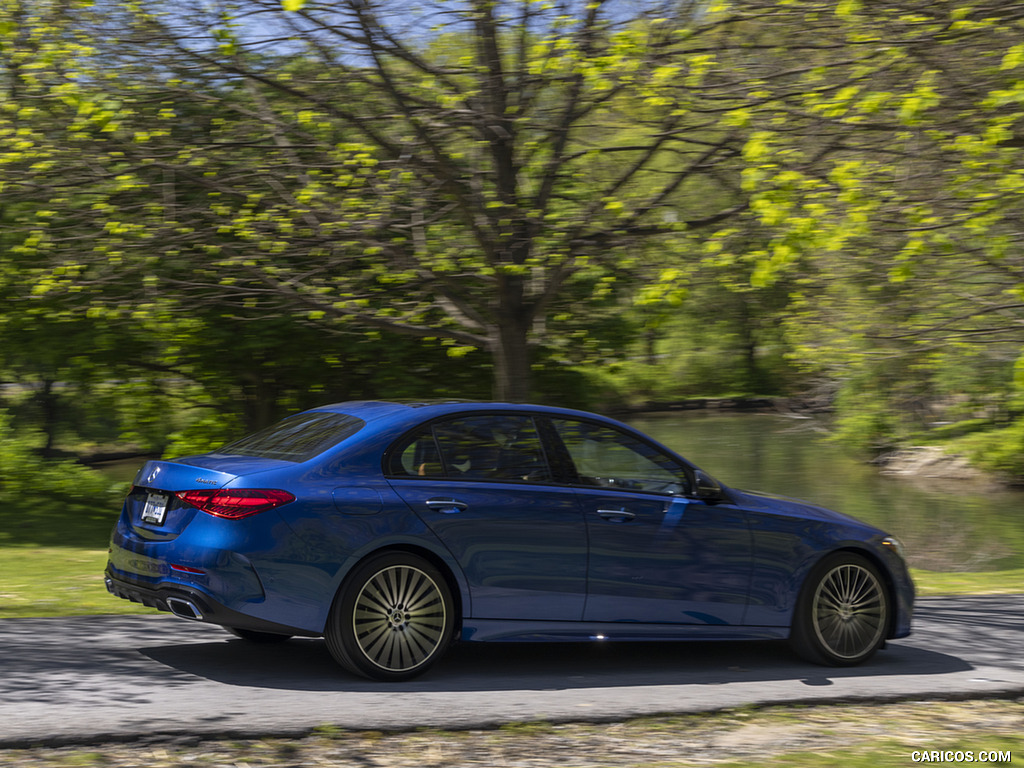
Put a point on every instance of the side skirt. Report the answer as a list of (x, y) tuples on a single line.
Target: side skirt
[(497, 630)]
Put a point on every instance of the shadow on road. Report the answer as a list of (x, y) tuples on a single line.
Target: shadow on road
[(55, 661), (306, 665), (951, 635)]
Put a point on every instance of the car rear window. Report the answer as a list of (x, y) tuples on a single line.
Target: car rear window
[(297, 438)]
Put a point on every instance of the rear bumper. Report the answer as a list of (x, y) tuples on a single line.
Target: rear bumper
[(193, 604)]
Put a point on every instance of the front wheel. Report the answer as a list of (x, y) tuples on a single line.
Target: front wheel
[(392, 619), (842, 614)]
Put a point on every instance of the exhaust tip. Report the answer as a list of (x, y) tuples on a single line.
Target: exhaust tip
[(184, 609)]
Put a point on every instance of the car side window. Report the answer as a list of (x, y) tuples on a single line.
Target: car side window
[(419, 457), (606, 457), (485, 447)]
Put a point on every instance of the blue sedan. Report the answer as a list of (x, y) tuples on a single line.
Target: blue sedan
[(393, 528)]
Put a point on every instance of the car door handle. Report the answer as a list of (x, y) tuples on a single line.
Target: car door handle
[(447, 506), (616, 515)]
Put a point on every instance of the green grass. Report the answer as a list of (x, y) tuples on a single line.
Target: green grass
[(56, 581), (934, 583), (52, 554)]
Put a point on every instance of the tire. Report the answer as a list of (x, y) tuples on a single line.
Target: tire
[(392, 619), (253, 636), (843, 613)]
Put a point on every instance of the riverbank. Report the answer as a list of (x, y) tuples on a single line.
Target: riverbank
[(960, 459), (858, 736), (934, 462)]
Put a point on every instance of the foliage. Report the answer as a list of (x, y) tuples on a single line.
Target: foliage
[(522, 157), (1000, 450), (26, 477), (889, 201), (203, 435), (274, 204)]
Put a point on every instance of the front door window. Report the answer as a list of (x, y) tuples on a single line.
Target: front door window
[(607, 458)]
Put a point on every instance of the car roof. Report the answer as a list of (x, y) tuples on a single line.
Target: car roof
[(425, 409)]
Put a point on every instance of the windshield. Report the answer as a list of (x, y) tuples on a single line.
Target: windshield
[(297, 438)]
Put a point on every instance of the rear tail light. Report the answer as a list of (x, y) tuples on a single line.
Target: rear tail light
[(235, 503)]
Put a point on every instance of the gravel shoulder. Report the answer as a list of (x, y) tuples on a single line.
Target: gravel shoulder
[(877, 735)]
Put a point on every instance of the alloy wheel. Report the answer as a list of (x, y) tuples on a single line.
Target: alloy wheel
[(399, 618), (849, 611)]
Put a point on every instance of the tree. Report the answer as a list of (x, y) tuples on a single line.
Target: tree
[(483, 173), (444, 171), (886, 188), (895, 180)]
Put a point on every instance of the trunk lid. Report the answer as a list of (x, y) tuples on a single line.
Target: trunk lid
[(153, 511), (179, 475)]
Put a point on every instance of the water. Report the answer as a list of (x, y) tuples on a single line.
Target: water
[(945, 525)]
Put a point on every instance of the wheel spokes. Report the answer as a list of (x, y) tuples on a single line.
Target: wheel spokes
[(399, 618), (849, 611)]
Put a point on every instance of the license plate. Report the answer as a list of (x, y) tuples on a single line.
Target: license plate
[(155, 510)]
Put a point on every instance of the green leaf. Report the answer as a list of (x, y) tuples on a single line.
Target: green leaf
[(1013, 58)]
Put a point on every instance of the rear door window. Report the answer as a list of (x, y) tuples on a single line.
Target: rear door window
[(500, 447)]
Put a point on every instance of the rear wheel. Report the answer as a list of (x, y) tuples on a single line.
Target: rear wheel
[(392, 619), (842, 614)]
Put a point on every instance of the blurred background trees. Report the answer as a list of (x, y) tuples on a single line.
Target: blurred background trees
[(215, 214)]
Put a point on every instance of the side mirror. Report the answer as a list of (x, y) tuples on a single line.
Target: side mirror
[(707, 488)]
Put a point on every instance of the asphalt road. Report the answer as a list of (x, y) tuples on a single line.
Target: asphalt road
[(91, 679)]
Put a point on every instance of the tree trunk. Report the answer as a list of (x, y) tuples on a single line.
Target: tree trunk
[(50, 408), (511, 353), (509, 342), (259, 401)]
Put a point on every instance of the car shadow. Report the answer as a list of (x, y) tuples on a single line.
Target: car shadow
[(307, 665), (951, 635)]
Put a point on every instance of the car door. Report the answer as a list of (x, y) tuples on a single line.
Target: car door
[(482, 484), (655, 553)]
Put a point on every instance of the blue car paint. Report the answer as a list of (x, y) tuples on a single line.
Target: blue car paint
[(521, 548), (791, 536), (748, 554), (678, 561)]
